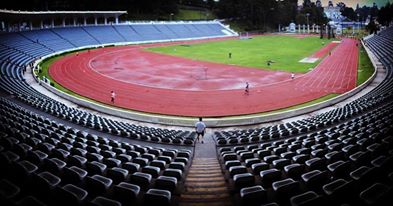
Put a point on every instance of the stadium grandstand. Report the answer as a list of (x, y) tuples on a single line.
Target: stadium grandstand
[(136, 104)]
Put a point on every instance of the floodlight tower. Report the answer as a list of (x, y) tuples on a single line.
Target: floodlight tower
[(308, 25)]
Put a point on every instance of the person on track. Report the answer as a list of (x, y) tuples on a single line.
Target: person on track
[(200, 128), (113, 96), (246, 90), (292, 76)]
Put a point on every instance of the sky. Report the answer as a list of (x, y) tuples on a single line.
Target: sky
[(352, 3)]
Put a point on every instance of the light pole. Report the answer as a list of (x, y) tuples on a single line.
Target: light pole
[(308, 25), (170, 16), (358, 23)]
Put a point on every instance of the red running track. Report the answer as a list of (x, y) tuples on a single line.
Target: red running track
[(182, 88)]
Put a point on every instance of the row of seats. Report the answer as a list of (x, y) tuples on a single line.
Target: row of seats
[(319, 163), (44, 162)]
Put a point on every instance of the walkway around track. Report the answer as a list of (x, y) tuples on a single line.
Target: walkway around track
[(205, 183)]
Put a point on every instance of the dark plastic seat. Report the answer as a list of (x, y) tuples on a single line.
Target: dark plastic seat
[(131, 167), (243, 180), (339, 169), (98, 184), (143, 180), (54, 165), (315, 164), (294, 170), (22, 171), (166, 159), (231, 163), (177, 165), (111, 162), (95, 168), (377, 194), (281, 163), (166, 183), (126, 193), (158, 163), (141, 161), (76, 160), (153, 171), (8, 190), (173, 173), (269, 176), (74, 174), (258, 167), (30, 201), (70, 195), (251, 161), (44, 183), (157, 197), (309, 198), (254, 195), (338, 191), (103, 201), (117, 174), (234, 170), (286, 188), (36, 157), (315, 179)]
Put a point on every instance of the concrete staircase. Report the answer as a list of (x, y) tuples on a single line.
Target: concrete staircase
[(205, 185)]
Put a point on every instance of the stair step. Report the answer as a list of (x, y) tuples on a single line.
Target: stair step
[(198, 190), (205, 196), (204, 179)]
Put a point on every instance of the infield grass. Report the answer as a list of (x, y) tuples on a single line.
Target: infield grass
[(284, 51)]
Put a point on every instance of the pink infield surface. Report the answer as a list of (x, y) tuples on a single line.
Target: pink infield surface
[(163, 84)]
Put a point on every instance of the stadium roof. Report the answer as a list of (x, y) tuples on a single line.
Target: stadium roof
[(11, 14)]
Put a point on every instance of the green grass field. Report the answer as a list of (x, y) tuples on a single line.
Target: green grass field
[(285, 51), (365, 67)]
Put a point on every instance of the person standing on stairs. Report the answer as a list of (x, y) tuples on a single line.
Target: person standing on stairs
[(200, 129)]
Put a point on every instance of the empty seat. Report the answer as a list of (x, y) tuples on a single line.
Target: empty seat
[(131, 167), (166, 183), (98, 184), (231, 163), (76, 160), (173, 173), (95, 168), (157, 197), (103, 201), (294, 170), (70, 195), (8, 190), (339, 169), (243, 180), (154, 171), (126, 193), (377, 194), (258, 167), (309, 198), (315, 179), (337, 190), (45, 182), (254, 195), (269, 176), (315, 164), (117, 174), (74, 174), (237, 170), (286, 188), (143, 180), (281, 163), (177, 165)]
